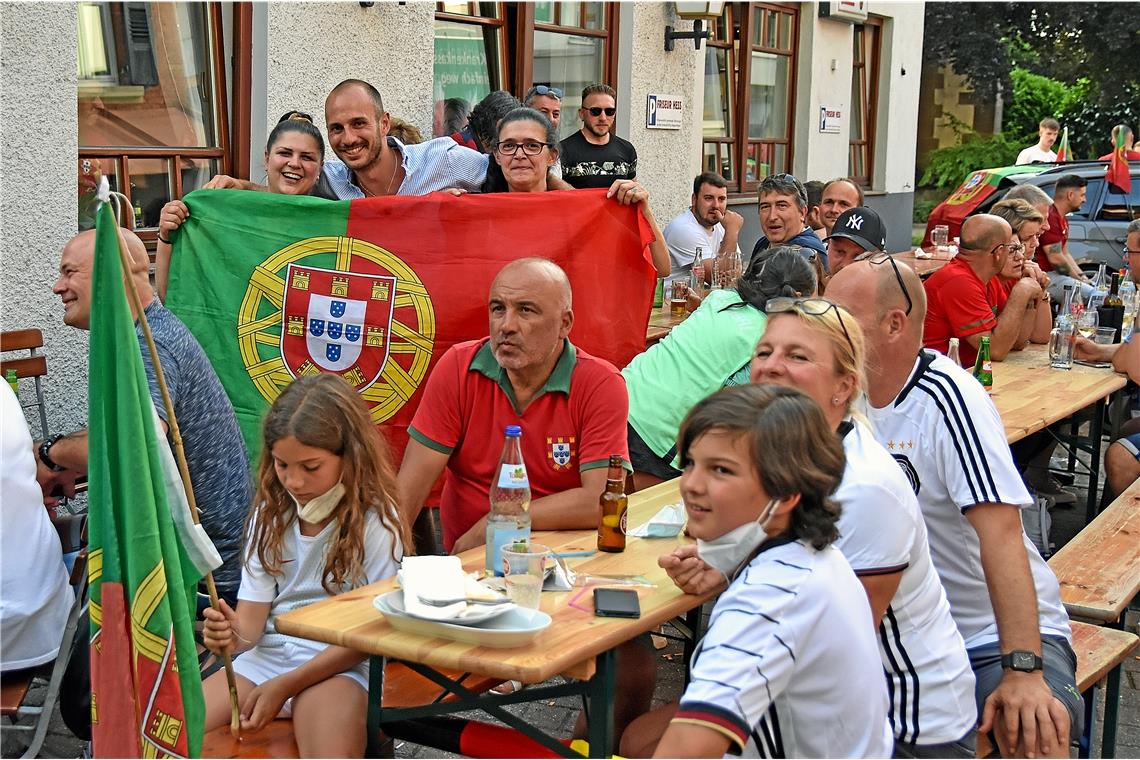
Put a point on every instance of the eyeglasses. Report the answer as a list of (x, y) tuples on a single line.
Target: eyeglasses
[(996, 247), (1016, 249), (596, 111), (1130, 251), (541, 89), (510, 148), (883, 258), (812, 307)]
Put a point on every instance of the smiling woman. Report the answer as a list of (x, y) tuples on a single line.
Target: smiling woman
[(294, 153)]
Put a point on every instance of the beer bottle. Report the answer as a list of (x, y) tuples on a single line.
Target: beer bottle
[(612, 509), (13, 381), (983, 370)]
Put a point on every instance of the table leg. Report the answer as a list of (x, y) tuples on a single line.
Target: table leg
[(693, 619), (374, 746), (1096, 427), (600, 698), (1111, 710)]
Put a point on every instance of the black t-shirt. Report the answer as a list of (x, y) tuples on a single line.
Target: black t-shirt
[(587, 165)]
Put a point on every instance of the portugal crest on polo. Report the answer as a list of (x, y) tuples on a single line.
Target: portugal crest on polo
[(338, 305)]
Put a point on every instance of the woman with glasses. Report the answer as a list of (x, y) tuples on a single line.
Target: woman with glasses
[(526, 148), (1026, 223), (710, 349), (815, 346), (294, 154)]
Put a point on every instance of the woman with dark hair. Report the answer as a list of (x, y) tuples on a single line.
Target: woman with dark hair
[(710, 349), (294, 154), (789, 666)]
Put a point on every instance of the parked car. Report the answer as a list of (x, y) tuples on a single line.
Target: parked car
[(1096, 230)]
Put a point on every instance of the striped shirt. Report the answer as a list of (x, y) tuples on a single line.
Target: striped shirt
[(430, 166), (946, 434), (929, 680), (789, 666)]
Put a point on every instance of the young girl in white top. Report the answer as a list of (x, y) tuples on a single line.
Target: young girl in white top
[(325, 522)]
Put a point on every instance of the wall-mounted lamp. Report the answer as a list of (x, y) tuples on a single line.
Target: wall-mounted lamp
[(697, 13)]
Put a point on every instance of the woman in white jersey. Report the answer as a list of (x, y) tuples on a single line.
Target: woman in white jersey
[(788, 667)]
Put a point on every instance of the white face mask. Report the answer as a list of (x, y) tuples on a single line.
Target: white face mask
[(319, 507), (728, 552)]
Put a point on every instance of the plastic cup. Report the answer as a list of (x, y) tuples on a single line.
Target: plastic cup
[(1104, 336), (525, 570)]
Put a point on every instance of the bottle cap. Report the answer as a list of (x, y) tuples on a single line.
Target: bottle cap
[(513, 431)]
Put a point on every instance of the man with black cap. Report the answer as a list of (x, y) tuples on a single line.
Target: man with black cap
[(857, 231)]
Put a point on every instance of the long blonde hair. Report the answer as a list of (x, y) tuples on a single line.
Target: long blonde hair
[(322, 411)]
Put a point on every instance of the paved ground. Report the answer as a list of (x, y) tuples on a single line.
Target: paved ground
[(558, 716)]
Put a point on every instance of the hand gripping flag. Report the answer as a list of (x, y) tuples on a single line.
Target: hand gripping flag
[(275, 287), (145, 684)]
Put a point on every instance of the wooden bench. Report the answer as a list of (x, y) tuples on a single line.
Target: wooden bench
[(403, 687), (1099, 569)]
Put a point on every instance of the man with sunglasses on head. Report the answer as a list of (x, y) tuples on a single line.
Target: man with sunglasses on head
[(960, 302), (547, 100), (594, 156), (783, 213), (946, 435)]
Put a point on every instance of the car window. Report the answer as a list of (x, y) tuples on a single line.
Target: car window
[(1092, 193), (1119, 206)]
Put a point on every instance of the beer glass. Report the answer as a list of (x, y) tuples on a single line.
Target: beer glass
[(940, 236)]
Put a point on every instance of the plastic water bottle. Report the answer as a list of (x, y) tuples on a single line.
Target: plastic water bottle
[(509, 519)]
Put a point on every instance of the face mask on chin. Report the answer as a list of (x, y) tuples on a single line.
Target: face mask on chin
[(728, 552), (319, 507)]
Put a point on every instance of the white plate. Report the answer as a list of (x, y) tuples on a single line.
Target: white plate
[(514, 628), (473, 615)]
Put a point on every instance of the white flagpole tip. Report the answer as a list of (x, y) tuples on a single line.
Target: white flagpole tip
[(103, 194)]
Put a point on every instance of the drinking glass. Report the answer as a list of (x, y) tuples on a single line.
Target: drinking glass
[(940, 236), (525, 570), (727, 268), (1087, 323), (1104, 336), (1061, 348)]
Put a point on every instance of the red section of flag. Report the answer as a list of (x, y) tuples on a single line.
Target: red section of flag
[(1117, 173), (113, 708), (161, 724), (457, 248)]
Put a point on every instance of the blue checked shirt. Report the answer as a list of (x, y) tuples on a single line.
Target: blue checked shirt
[(430, 166)]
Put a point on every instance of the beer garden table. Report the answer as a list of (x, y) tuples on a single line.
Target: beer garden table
[(922, 267), (577, 644), (1030, 396)]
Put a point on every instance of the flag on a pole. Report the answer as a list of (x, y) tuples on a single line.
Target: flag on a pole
[(145, 685), (1063, 152), (275, 287), (1117, 172)]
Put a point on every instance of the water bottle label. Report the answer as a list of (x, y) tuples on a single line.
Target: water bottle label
[(513, 476), (499, 536)]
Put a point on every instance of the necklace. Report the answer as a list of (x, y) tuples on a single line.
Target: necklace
[(391, 179)]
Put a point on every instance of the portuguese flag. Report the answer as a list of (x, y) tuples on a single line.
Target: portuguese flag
[(146, 690), (275, 287), (1117, 173), (1063, 152)]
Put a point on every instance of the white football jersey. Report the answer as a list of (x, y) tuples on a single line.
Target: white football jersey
[(929, 681), (946, 434), (789, 666)]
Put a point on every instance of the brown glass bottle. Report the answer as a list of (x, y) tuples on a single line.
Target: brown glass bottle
[(612, 509)]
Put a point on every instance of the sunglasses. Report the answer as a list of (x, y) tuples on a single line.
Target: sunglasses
[(541, 89), (812, 307), (784, 181), (883, 258), (596, 111)]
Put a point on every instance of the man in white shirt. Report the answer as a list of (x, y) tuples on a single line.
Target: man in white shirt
[(946, 435), (1042, 152), (708, 224)]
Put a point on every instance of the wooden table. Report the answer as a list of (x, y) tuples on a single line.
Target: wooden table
[(661, 323), (1030, 396), (577, 644), (922, 267)]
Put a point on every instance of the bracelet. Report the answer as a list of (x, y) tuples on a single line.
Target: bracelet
[(45, 447), (161, 239)]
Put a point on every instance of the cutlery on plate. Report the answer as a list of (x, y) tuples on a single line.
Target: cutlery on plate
[(449, 602)]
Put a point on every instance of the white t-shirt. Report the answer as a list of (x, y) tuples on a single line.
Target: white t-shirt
[(946, 434), (35, 596), (1033, 153), (685, 233), (789, 666), (930, 683)]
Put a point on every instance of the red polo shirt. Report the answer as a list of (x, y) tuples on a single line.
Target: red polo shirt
[(998, 290), (468, 402), (957, 305), (1058, 233)]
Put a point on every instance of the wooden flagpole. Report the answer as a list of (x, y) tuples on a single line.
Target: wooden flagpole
[(179, 451)]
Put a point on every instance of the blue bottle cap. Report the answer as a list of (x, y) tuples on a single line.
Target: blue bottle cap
[(513, 431)]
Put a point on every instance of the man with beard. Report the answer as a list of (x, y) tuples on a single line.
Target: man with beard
[(593, 156), (708, 224)]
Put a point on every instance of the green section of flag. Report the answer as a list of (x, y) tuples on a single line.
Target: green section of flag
[(130, 521), (247, 300)]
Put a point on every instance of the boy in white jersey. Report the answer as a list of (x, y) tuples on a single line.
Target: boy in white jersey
[(945, 433), (789, 666)]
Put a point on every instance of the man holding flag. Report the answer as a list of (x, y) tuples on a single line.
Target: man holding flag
[(1117, 174)]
